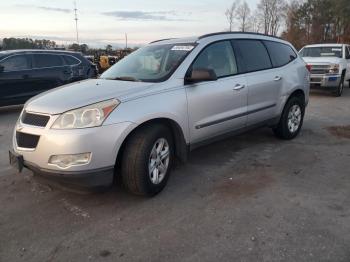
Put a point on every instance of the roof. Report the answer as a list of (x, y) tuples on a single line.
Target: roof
[(185, 40), (325, 45), (9, 52), (196, 39)]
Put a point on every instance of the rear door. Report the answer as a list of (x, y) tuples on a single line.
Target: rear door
[(264, 82), (217, 107), (49, 71), (15, 80)]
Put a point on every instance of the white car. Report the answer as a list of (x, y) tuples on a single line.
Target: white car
[(329, 66)]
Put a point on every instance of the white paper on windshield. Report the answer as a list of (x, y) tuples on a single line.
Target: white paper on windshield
[(182, 48), (336, 49)]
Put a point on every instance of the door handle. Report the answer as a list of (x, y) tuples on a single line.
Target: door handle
[(238, 87), (277, 78)]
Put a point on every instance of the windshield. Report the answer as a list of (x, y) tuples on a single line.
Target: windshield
[(329, 51), (154, 63)]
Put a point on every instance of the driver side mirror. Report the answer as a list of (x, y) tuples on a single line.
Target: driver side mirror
[(201, 75)]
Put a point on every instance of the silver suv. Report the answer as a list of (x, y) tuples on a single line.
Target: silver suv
[(159, 103)]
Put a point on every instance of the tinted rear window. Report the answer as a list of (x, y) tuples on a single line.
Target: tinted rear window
[(70, 60), (16, 63), (252, 55), (281, 54), (47, 60)]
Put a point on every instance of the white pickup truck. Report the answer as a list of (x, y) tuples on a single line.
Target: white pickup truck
[(329, 65)]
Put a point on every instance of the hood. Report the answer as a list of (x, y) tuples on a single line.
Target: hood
[(79, 94), (322, 60)]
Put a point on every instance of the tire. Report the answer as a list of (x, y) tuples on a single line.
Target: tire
[(340, 88), (140, 155), (284, 129)]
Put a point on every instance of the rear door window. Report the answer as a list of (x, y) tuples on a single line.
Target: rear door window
[(70, 60), (252, 55), (47, 60), (218, 57), (281, 54), (15, 63)]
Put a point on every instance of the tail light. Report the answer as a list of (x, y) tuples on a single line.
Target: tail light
[(309, 67)]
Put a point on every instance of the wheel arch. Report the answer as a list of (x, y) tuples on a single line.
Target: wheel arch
[(181, 147), (297, 93)]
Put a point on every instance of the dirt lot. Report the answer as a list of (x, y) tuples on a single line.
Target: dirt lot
[(248, 198)]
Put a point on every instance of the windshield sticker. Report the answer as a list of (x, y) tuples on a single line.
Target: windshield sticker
[(336, 49), (182, 48)]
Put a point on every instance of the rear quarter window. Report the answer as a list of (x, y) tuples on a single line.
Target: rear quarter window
[(252, 55), (71, 60), (47, 60), (281, 54)]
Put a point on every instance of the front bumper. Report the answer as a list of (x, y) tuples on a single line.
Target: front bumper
[(103, 142), (92, 179), (325, 81)]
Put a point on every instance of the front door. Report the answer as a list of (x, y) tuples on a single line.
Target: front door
[(220, 106), (347, 57), (15, 80)]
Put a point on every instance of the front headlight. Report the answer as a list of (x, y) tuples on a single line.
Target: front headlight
[(334, 69), (88, 116)]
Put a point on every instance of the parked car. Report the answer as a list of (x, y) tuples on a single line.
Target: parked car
[(329, 65), (159, 103), (26, 73)]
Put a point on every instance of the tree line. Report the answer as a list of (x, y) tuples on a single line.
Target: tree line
[(26, 43), (300, 22)]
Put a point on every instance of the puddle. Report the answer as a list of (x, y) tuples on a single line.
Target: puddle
[(340, 131)]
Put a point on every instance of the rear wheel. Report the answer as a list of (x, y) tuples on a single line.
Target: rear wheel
[(147, 160), (291, 119)]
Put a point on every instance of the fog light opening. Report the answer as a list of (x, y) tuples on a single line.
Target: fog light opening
[(66, 161)]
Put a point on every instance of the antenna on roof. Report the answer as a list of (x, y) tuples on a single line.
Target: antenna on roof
[(76, 20)]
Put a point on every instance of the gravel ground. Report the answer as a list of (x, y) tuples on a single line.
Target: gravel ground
[(248, 198)]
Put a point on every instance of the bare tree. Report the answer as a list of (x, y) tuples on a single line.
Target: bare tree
[(231, 14), (255, 23), (242, 14), (272, 13)]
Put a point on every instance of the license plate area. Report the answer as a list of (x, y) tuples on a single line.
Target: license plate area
[(16, 161)]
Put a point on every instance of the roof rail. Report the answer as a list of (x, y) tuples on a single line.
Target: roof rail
[(235, 32), (160, 40)]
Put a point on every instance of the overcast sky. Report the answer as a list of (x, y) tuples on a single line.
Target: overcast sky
[(106, 21)]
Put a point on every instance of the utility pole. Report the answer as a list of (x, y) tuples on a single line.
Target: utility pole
[(126, 41), (76, 20)]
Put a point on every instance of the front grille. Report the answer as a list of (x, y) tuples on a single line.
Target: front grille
[(35, 119), (319, 69), (27, 140)]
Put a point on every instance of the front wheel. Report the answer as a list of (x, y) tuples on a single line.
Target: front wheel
[(291, 119), (147, 160), (340, 88)]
